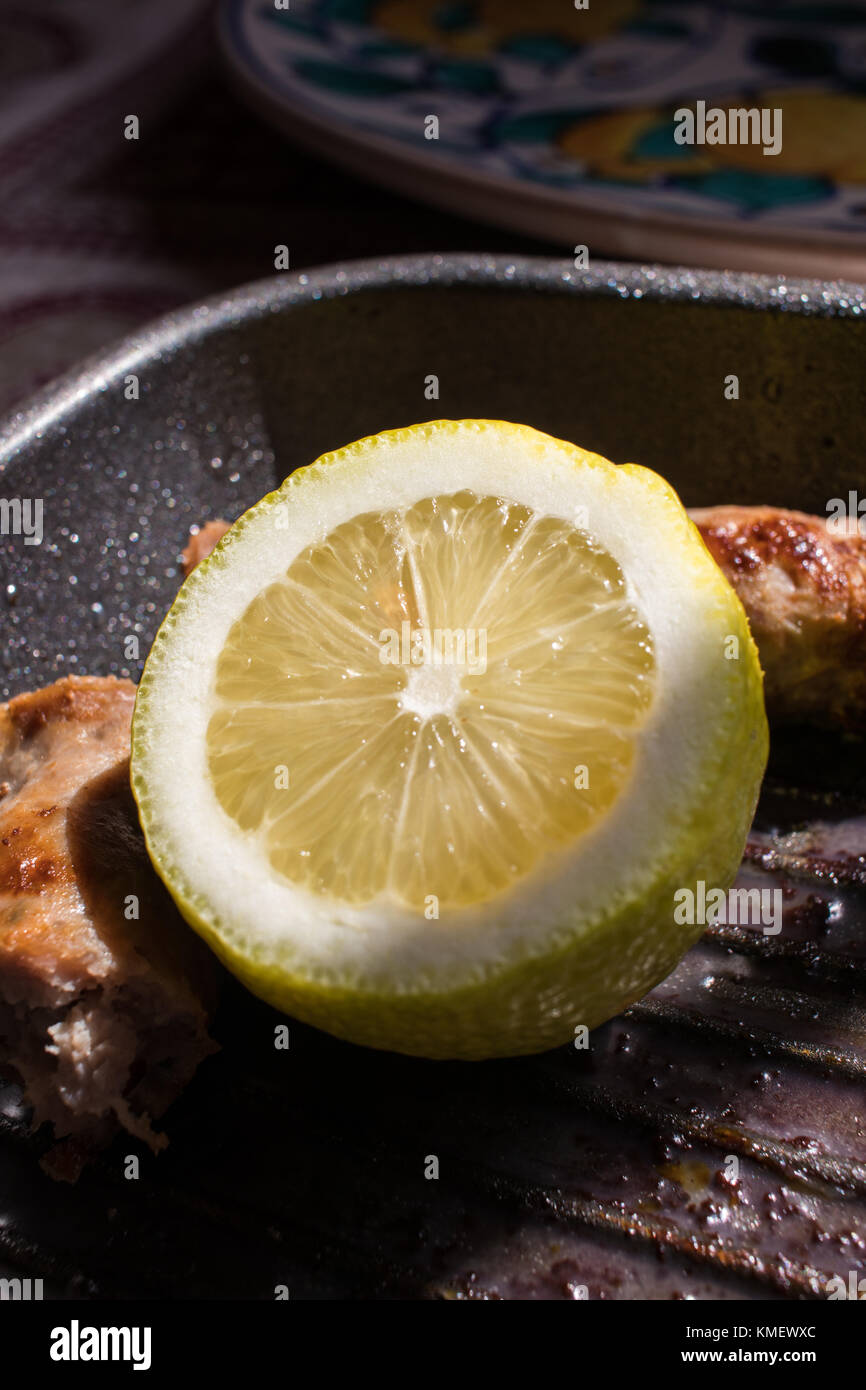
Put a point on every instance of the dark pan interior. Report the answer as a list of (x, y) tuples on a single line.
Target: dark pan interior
[(607, 1169)]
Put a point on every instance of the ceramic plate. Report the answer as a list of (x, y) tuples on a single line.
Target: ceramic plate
[(559, 122)]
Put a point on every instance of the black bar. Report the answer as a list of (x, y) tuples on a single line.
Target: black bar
[(223, 1338)]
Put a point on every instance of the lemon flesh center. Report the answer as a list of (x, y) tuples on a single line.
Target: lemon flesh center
[(430, 701)]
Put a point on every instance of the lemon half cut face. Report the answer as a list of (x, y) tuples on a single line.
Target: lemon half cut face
[(428, 744), (454, 689)]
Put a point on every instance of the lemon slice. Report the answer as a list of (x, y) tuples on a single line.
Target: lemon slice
[(427, 746)]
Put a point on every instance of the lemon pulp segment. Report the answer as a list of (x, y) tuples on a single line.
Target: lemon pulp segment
[(429, 701)]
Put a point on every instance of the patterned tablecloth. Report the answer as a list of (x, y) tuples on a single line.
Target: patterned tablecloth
[(99, 233)]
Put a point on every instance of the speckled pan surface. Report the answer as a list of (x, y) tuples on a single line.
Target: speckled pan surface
[(606, 1170)]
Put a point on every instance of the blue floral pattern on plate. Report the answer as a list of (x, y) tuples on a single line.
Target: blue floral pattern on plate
[(583, 101)]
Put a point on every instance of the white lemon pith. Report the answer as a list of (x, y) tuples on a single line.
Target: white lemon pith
[(428, 744)]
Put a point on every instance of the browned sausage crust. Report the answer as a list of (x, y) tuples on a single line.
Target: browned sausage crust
[(201, 542), (804, 591), (104, 990)]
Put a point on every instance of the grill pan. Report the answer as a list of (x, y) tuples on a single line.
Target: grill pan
[(711, 1142)]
